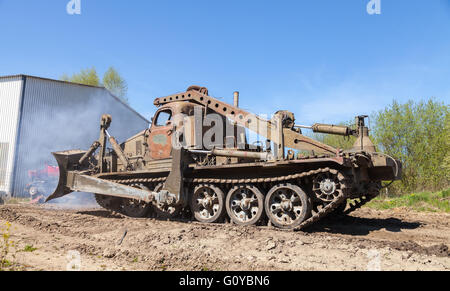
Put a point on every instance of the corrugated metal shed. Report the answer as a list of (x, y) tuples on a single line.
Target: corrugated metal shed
[(10, 102), (55, 115)]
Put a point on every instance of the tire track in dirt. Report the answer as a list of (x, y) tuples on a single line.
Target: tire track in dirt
[(405, 241)]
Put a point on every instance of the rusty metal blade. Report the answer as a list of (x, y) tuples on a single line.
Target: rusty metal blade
[(66, 161)]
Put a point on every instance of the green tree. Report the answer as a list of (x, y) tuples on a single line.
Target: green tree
[(115, 84), (111, 81), (446, 163), (85, 77), (417, 134)]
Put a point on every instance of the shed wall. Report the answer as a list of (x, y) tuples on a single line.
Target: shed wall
[(59, 116), (10, 96)]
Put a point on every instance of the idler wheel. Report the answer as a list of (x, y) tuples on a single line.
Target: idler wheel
[(326, 187)]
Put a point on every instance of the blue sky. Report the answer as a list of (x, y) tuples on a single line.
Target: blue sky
[(325, 60)]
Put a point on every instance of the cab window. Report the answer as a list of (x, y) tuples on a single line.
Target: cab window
[(163, 117)]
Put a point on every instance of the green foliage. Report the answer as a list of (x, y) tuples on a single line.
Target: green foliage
[(446, 162), (85, 77), (6, 244), (111, 81), (424, 201), (417, 133), (115, 84), (29, 249)]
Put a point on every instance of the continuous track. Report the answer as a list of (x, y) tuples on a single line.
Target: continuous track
[(341, 197)]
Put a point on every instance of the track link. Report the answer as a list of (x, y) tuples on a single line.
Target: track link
[(230, 181), (374, 191)]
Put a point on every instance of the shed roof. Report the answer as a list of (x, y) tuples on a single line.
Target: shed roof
[(75, 84)]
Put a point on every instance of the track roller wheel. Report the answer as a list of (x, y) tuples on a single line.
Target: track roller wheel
[(208, 203), (245, 204), (134, 208), (287, 206)]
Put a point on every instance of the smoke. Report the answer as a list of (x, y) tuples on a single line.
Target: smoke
[(70, 120), (74, 201)]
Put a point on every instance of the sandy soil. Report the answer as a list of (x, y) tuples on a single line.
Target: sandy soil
[(369, 239)]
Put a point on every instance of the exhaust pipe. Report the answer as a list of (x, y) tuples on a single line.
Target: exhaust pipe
[(236, 99)]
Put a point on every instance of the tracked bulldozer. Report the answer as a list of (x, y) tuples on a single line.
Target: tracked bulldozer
[(195, 158)]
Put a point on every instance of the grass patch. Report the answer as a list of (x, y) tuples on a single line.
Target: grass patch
[(423, 201), (29, 249), (15, 201)]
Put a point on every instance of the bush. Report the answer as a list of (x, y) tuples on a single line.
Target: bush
[(419, 135)]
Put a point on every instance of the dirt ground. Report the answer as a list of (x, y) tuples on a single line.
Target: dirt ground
[(368, 239)]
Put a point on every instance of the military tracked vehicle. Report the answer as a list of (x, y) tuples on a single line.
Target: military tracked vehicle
[(196, 157)]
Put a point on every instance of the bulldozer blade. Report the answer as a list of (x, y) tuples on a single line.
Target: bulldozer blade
[(66, 161), (70, 180)]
